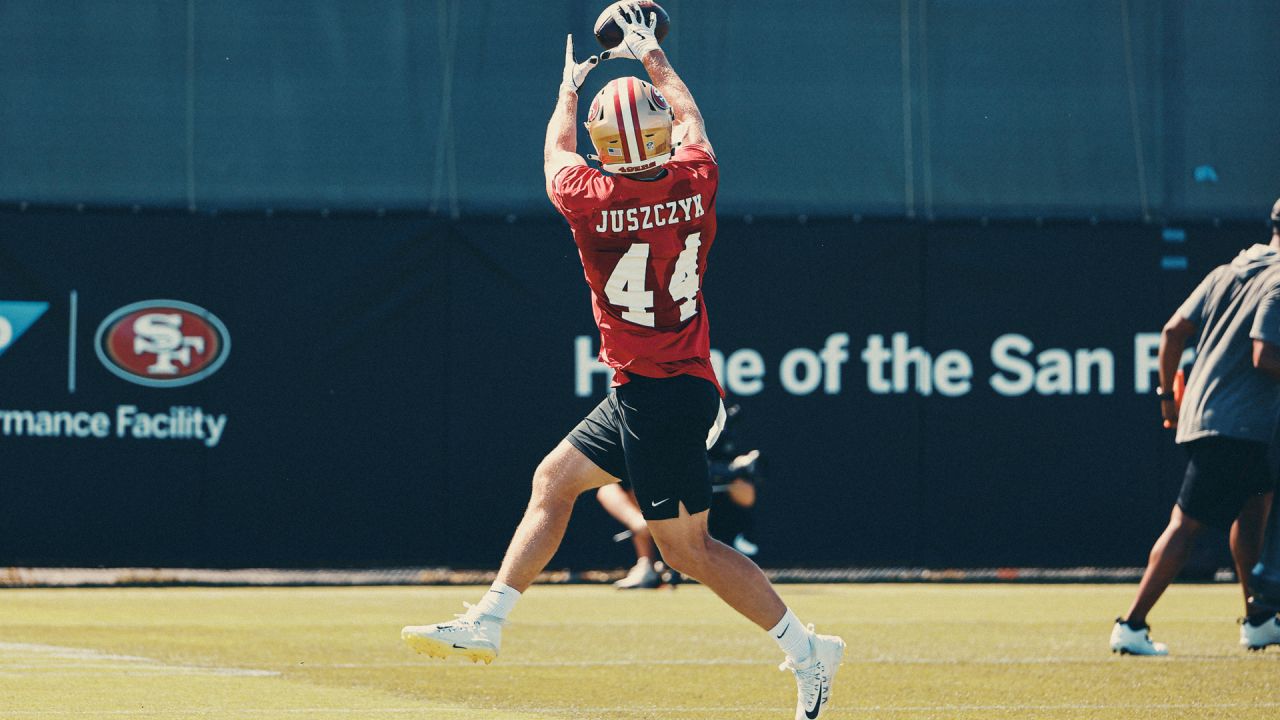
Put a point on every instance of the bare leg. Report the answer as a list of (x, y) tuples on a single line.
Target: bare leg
[(622, 506), (1246, 542), (687, 547), (561, 476), (1168, 556)]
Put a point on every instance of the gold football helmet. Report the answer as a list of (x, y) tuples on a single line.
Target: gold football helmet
[(630, 126)]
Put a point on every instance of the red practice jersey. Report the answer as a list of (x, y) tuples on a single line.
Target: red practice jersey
[(644, 246)]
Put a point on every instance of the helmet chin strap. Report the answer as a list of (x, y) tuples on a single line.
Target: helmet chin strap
[(662, 172)]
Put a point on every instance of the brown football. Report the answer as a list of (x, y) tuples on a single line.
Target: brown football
[(608, 34)]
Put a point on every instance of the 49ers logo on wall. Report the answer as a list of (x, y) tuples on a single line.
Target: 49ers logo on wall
[(162, 343)]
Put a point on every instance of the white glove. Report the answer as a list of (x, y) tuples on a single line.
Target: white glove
[(575, 72), (638, 37)]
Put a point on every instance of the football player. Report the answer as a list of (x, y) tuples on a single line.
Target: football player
[(1226, 420), (643, 224)]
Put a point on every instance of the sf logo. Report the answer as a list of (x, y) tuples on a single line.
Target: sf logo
[(161, 335), (162, 343)]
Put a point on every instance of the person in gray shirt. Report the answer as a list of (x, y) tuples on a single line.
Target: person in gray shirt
[(1265, 580), (1226, 421)]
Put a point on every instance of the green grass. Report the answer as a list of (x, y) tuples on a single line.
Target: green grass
[(915, 651)]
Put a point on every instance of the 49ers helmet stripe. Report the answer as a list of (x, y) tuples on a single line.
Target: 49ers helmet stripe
[(626, 121), (619, 122), (636, 137)]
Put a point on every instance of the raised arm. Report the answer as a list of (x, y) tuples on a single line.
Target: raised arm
[(560, 149), (640, 43), (688, 116)]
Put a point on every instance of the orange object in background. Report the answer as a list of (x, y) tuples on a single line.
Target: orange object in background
[(1179, 385)]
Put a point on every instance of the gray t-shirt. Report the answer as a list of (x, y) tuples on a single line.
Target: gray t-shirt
[(1225, 394)]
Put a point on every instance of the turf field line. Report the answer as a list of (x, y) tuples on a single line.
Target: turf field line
[(855, 622), (424, 711), (846, 709), (58, 659), (135, 671), (843, 709), (577, 711), (1061, 706), (1093, 659), (547, 663), (26, 650), (273, 712), (223, 712)]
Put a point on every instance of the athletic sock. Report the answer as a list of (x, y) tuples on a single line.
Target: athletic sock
[(792, 637), (498, 601), (1133, 625)]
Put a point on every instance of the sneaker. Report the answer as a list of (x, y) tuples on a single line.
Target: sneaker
[(815, 674), (1130, 641), (1257, 637), (641, 577), (472, 635)]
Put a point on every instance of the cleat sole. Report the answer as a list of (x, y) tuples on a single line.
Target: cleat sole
[(437, 649)]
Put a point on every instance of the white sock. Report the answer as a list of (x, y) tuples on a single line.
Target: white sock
[(792, 636), (498, 601)]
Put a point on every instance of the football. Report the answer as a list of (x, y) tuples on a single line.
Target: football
[(608, 34)]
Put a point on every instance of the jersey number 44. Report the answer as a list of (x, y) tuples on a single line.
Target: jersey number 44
[(627, 284)]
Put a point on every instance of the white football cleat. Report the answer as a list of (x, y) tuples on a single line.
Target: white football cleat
[(1258, 637), (472, 635), (815, 674), (1127, 641)]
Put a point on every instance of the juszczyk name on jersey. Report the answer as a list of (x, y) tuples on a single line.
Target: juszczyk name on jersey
[(648, 217), (177, 423)]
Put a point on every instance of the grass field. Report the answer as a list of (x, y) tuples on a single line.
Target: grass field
[(915, 651)]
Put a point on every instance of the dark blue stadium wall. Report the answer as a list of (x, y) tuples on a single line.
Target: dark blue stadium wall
[(392, 382)]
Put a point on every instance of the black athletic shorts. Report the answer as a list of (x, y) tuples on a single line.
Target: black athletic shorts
[(1222, 474), (654, 433)]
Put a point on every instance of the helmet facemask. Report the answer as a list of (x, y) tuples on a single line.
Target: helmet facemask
[(630, 126)]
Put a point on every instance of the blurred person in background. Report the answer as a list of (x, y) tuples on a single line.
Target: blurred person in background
[(619, 501), (1226, 420), (735, 475), (1265, 580)]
